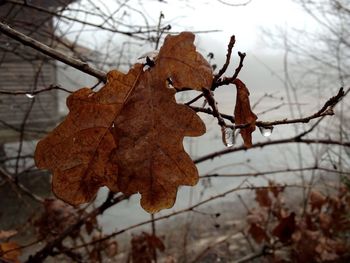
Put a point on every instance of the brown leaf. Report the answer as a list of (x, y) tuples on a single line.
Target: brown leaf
[(317, 200), (56, 218), (128, 136), (178, 60), (258, 233), (144, 247), (262, 197), (285, 228), (9, 252), (325, 222), (243, 113), (78, 150), (90, 225)]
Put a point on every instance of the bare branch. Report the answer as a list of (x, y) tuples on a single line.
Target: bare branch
[(295, 139), (75, 63), (35, 92)]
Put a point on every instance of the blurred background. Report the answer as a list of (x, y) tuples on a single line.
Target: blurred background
[(297, 58)]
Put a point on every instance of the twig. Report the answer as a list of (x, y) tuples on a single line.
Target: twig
[(326, 110), (34, 92), (269, 143), (210, 112), (75, 63), (288, 170), (228, 58), (227, 81), (153, 225), (213, 105), (19, 186)]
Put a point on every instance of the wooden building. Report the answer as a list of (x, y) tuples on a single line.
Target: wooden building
[(24, 69)]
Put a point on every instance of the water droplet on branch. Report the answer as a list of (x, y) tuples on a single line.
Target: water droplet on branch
[(30, 96), (228, 136), (266, 131)]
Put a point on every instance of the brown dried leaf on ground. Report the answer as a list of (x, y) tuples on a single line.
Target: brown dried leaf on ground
[(9, 252), (128, 136), (243, 113)]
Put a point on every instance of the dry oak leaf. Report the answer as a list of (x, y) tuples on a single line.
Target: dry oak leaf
[(243, 113), (128, 136)]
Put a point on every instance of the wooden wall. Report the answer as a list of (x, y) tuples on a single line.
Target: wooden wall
[(24, 69)]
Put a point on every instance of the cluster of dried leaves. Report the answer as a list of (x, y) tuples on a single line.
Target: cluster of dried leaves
[(128, 136), (59, 216), (318, 234)]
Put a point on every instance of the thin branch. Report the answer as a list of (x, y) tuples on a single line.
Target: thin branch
[(75, 63), (213, 104), (295, 139), (288, 170), (19, 186), (210, 112), (34, 92), (227, 81), (228, 58), (326, 110)]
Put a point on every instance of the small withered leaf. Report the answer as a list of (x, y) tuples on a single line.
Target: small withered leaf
[(262, 197), (243, 112), (258, 233), (285, 228), (144, 246), (129, 135)]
